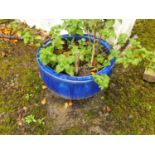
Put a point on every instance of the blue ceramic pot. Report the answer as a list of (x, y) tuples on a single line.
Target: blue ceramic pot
[(72, 87)]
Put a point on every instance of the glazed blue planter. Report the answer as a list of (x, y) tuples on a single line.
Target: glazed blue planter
[(72, 87)]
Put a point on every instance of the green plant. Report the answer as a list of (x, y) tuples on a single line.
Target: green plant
[(81, 51), (71, 56), (31, 119), (29, 35), (73, 26), (28, 96), (41, 121), (64, 64), (102, 80), (151, 65)]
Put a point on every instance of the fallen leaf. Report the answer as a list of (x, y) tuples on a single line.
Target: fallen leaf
[(25, 109), (44, 87), (19, 123), (43, 101), (92, 71), (3, 54), (7, 31), (70, 103), (66, 105), (14, 41), (108, 109)]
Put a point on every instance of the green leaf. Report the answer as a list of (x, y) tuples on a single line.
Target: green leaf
[(73, 26), (27, 37), (106, 63), (81, 57), (113, 54), (122, 39), (128, 53), (59, 68), (58, 42), (46, 54), (71, 59), (69, 70), (75, 50), (108, 33), (30, 119), (82, 42), (102, 80), (109, 23), (61, 58), (100, 58), (134, 43), (55, 31)]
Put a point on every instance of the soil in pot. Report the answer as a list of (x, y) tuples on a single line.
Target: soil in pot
[(84, 66)]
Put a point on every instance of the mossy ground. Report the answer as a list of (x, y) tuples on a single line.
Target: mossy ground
[(20, 87), (145, 30), (126, 107)]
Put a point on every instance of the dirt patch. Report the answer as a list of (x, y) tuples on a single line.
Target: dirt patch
[(126, 107)]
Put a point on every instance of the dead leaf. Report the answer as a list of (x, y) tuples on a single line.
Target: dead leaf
[(66, 105), (44, 87), (20, 123), (3, 54), (70, 103), (14, 41), (5, 30), (92, 71), (94, 63), (108, 109), (43, 101), (25, 109)]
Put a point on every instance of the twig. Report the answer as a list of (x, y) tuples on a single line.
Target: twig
[(9, 37)]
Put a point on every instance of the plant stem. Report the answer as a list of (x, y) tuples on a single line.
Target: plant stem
[(94, 47), (77, 62)]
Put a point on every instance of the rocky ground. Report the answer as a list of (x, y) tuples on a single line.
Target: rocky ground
[(126, 107)]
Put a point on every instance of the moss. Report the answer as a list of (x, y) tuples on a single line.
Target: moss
[(74, 131), (132, 103), (90, 114), (4, 21), (146, 32), (133, 100), (19, 79)]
